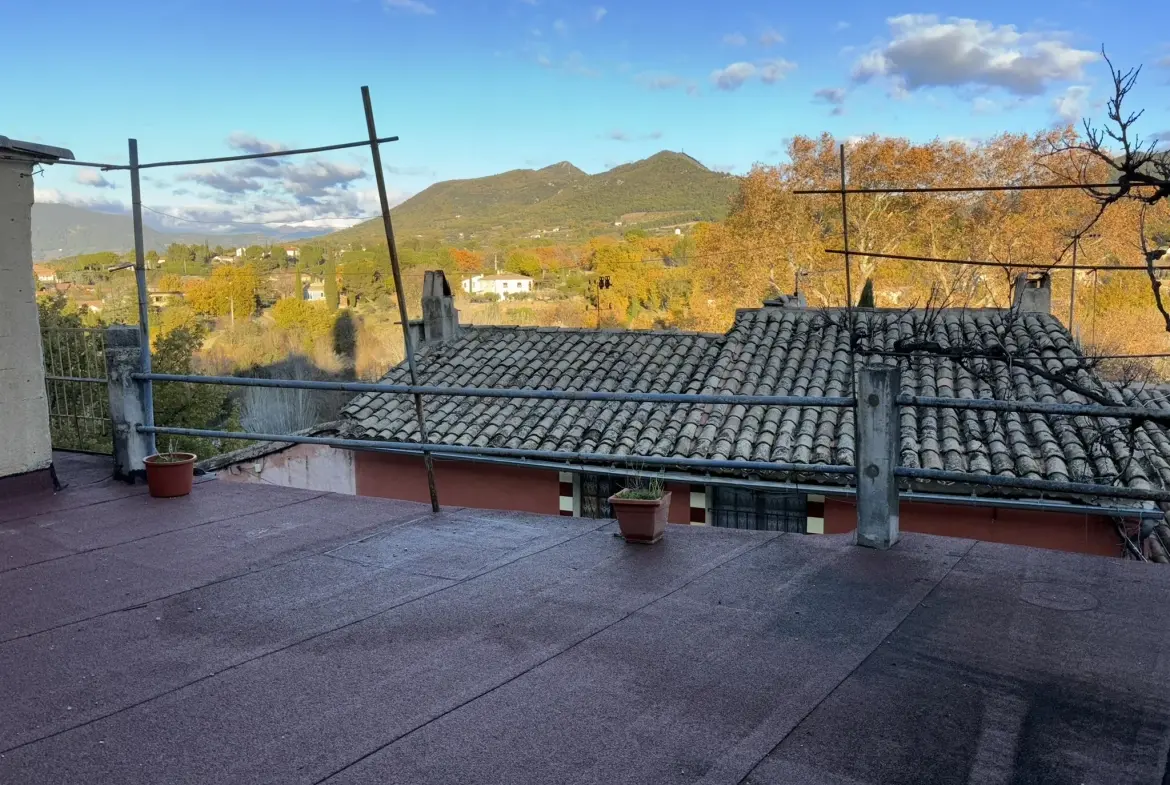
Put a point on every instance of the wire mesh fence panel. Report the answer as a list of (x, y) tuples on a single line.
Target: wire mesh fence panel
[(79, 405)]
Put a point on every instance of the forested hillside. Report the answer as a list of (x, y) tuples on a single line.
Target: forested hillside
[(667, 188)]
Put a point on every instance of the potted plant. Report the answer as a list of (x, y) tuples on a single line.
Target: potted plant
[(641, 510), (170, 474)]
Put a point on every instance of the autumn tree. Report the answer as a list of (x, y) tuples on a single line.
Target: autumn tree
[(231, 289), (466, 262)]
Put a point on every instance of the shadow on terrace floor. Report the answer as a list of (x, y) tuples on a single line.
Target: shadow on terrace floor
[(261, 634)]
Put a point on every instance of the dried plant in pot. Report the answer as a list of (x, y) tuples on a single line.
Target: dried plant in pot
[(170, 474), (641, 510)]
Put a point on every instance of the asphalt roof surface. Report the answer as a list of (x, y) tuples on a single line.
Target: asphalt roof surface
[(254, 634)]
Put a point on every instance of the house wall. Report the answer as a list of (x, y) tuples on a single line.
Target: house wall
[(1091, 534), (24, 410), (315, 467), (482, 485)]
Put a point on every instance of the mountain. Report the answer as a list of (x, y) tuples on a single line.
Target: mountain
[(664, 189), (61, 230)]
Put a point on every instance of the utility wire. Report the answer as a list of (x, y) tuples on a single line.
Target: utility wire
[(1020, 265)]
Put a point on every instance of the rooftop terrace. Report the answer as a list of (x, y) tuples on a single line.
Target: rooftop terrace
[(251, 634)]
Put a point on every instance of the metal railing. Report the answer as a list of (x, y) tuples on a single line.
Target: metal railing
[(973, 479), (75, 384)]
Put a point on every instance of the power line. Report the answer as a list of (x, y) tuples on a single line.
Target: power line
[(1019, 265), (964, 188), (267, 154)]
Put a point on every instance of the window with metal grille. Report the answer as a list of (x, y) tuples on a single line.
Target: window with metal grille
[(595, 492), (749, 508)]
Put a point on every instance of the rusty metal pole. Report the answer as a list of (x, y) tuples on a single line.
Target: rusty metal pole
[(140, 284), (428, 460), (845, 234)]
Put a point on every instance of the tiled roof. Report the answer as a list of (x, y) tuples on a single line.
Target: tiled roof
[(782, 352)]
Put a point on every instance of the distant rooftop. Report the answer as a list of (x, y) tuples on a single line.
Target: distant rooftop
[(259, 634)]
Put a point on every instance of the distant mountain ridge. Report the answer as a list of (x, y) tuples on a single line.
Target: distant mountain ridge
[(60, 230), (673, 187)]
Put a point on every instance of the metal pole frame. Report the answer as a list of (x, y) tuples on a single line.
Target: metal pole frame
[(384, 200), (140, 282)]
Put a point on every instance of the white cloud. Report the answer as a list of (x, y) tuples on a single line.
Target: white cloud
[(736, 75), (409, 6), (840, 26), (560, 26), (53, 196), (984, 105), (772, 71), (1072, 105), (833, 96), (543, 61), (735, 39), (618, 136), (830, 95), (770, 38), (599, 13), (1163, 62), (659, 80), (927, 52), (93, 178), (733, 76)]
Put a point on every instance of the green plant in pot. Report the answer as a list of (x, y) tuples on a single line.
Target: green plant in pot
[(641, 509), (170, 474)]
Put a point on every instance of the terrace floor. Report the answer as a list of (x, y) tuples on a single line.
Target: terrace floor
[(251, 634)]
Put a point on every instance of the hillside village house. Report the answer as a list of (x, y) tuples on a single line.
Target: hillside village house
[(44, 273), (781, 348), (503, 285)]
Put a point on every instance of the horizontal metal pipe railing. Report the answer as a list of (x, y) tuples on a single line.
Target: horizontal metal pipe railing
[(979, 404), (1040, 505), (1035, 407), (504, 392), (1027, 483), (634, 461)]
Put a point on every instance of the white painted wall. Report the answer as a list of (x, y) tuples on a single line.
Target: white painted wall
[(314, 467), (24, 409)]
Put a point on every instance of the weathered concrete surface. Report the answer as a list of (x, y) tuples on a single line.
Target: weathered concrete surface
[(251, 634), (24, 410)]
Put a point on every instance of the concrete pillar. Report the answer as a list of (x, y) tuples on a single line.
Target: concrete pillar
[(24, 408), (126, 403), (877, 456), (440, 317)]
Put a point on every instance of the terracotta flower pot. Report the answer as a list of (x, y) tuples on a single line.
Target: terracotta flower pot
[(170, 474), (641, 520)]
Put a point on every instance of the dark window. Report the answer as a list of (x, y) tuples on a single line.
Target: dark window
[(747, 508), (595, 492)]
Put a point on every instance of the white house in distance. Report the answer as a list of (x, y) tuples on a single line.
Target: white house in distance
[(502, 284)]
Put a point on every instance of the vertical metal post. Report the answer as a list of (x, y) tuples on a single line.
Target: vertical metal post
[(140, 281), (845, 237), (428, 461), (878, 445), (1072, 297)]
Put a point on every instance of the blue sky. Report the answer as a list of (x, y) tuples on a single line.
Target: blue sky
[(475, 88)]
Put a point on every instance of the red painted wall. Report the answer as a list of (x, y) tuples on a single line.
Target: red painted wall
[(484, 485), (1055, 531), (680, 503)]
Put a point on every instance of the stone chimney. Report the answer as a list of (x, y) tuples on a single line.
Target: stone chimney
[(440, 320), (786, 301), (1033, 293)]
